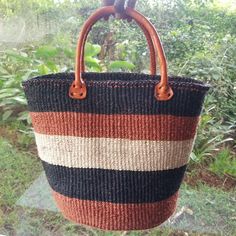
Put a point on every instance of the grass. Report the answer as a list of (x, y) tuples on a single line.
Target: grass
[(18, 170), (224, 164), (211, 208)]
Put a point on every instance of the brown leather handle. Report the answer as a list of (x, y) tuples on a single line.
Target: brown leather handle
[(78, 88), (151, 50), (119, 4)]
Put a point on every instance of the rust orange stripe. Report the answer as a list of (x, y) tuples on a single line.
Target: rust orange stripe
[(111, 216), (137, 127)]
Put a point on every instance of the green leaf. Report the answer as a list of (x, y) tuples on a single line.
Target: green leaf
[(18, 56), (116, 65), (46, 52), (43, 69), (4, 95), (20, 100), (10, 91), (6, 115), (23, 116), (194, 157), (27, 74), (92, 50), (52, 66), (69, 52), (224, 163), (93, 63)]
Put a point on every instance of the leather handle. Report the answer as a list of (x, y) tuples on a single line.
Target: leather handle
[(151, 50), (78, 89)]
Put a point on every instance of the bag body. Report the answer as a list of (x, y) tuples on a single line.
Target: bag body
[(116, 159), (114, 146)]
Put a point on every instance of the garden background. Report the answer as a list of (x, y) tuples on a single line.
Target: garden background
[(39, 37)]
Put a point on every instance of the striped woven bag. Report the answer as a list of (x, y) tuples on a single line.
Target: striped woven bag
[(115, 146)]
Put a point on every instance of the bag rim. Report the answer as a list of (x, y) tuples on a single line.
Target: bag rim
[(120, 79)]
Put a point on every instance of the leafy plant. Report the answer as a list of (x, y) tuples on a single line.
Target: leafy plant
[(91, 52), (211, 135), (119, 65), (19, 64), (224, 163)]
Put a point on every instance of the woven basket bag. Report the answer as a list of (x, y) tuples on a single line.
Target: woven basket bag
[(114, 146)]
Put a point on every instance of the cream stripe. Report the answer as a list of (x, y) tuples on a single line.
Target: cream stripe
[(117, 154)]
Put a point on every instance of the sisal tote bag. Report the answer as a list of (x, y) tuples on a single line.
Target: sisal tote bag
[(114, 146)]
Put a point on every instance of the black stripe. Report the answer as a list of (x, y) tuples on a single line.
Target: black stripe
[(50, 93), (114, 186)]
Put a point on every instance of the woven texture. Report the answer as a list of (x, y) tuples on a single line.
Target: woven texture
[(116, 159)]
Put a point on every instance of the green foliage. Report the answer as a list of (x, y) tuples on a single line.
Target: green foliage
[(212, 209), (212, 134), (46, 52), (17, 171), (224, 163), (18, 65), (91, 52), (117, 65), (199, 39)]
